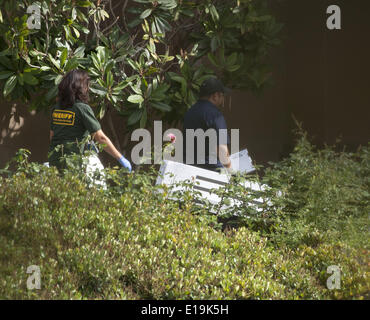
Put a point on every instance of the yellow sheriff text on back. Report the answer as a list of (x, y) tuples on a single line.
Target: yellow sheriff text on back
[(63, 117)]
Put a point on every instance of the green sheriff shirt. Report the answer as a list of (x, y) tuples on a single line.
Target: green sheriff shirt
[(70, 126)]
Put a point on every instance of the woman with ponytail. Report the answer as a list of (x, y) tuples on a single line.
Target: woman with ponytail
[(72, 120)]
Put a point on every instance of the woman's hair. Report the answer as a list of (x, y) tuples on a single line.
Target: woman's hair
[(74, 86)]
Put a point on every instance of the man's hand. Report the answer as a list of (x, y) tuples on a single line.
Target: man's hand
[(223, 155)]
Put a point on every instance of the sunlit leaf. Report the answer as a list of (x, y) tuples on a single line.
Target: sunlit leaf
[(10, 85)]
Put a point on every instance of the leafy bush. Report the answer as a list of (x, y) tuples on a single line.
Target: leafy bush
[(314, 196), (131, 242), (146, 59)]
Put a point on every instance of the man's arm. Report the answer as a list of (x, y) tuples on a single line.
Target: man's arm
[(51, 134), (224, 156)]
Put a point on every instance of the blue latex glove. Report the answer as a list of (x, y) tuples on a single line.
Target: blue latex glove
[(125, 163)]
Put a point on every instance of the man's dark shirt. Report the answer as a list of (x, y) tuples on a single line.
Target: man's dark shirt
[(204, 115)]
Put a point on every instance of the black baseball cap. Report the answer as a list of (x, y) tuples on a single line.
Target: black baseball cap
[(211, 86)]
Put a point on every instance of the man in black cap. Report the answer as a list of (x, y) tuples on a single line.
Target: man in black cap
[(206, 148)]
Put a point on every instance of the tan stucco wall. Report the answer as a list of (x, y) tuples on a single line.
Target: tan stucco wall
[(320, 76)]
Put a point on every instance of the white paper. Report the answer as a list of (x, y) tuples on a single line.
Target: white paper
[(241, 162)]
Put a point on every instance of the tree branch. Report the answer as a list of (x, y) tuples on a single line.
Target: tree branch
[(113, 130), (115, 17), (124, 16)]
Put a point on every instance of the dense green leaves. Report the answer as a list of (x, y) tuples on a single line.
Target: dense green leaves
[(131, 241), (30, 79), (152, 56), (314, 197)]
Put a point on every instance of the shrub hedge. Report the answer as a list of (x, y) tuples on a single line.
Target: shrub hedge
[(132, 242)]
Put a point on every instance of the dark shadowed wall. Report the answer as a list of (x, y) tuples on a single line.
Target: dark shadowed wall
[(320, 76)]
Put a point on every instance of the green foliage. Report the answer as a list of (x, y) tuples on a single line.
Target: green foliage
[(328, 195), (312, 197), (130, 241), (144, 60)]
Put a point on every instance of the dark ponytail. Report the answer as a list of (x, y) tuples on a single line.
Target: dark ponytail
[(74, 86)]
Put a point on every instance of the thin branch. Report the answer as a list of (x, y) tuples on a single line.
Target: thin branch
[(169, 67), (47, 35), (112, 24), (115, 17), (96, 32), (112, 128), (124, 16), (182, 28)]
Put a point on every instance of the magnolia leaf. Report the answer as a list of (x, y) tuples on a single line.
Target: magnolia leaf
[(135, 99), (54, 62), (5, 74), (122, 85), (77, 33), (52, 93), (74, 14), (30, 79), (161, 106), (58, 79), (214, 13), (72, 64), (143, 119), (10, 85), (98, 90), (146, 13), (63, 57), (20, 79), (80, 51), (134, 117), (84, 4), (110, 79)]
